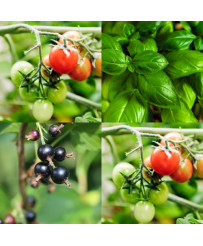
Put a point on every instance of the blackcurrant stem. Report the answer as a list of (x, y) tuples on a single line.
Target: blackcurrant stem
[(67, 183), (71, 155), (52, 188), (29, 137), (50, 161), (38, 177)]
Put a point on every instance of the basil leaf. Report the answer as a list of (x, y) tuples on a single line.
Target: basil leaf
[(183, 63), (179, 40), (193, 23), (113, 62), (178, 115), (186, 26), (122, 40), (196, 81), (128, 106), (122, 82), (136, 46), (198, 43), (149, 62), (109, 42), (164, 32), (200, 28), (135, 36), (158, 89), (185, 91), (148, 27), (128, 30), (115, 28)]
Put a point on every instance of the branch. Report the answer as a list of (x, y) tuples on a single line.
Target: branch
[(21, 160), (83, 101)]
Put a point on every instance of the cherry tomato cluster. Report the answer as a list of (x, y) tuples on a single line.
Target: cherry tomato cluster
[(48, 90), (162, 162), (46, 168)]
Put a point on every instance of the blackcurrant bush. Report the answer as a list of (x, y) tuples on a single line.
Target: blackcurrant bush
[(42, 170), (9, 219), (31, 201), (59, 154), (33, 135), (30, 216), (60, 175), (45, 152), (55, 131), (1, 221)]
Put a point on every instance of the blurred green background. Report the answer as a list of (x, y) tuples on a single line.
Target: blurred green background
[(12, 107), (114, 209), (81, 203)]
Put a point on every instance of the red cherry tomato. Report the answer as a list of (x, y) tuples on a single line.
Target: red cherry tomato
[(74, 35), (199, 170), (82, 70), (173, 136), (61, 62), (184, 171), (163, 164), (149, 165), (97, 69), (44, 71)]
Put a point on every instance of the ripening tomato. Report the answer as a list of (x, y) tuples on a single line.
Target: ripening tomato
[(158, 197), (147, 162), (57, 95), (42, 110), (73, 35), (144, 211), (173, 136), (130, 198), (184, 172), (124, 168), (22, 66), (46, 61), (199, 170), (62, 62), (97, 70), (163, 164), (82, 71)]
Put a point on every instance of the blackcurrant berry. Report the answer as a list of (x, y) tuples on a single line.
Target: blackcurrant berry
[(59, 154), (60, 175), (1, 221), (45, 152), (9, 219), (42, 171), (31, 201), (33, 135), (30, 216), (45, 181), (55, 131)]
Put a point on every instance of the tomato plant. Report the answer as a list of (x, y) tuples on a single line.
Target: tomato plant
[(184, 171), (144, 212)]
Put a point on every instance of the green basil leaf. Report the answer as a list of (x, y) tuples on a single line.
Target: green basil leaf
[(109, 42), (186, 26), (179, 40), (200, 28), (114, 28), (149, 62), (135, 36), (196, 81), (122, 40), (185, 91), (178, 115), (164, 32), (136, 46), (193, 23), (183, 63), (148, 27), (113, 62), (158, 89), (198, 43), (122, 82), (128, 106), (128, 30), (131, 67)]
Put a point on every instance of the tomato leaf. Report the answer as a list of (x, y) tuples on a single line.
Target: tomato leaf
[(128, 106), (128, 30), (182, 221), (158, 90), (113, 62), (149, 62), (183, 63), (109, 42), (179, 40)]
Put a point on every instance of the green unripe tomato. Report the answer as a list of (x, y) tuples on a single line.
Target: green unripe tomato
[(24, 67), (158, 197), (130, 198), (42, 110), (105, 105), (124, 168), (57, 96), (30, 96), (144, 211)]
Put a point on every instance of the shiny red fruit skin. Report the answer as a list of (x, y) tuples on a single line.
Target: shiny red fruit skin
[(61, 62), (163, 164), (82, 70), (199, 170), (9, 219), (173, 136), (184, 172)]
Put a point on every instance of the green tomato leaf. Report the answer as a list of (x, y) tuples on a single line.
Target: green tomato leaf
[(149, 62), (182, 221), (120, 83), (185, 91), (179, 40), (109, 42), (183, 63), (128, 106), (147, 28), (128, 30), (113, 62), (194, 221), (178, 115), (164, 32), (158, 89)]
